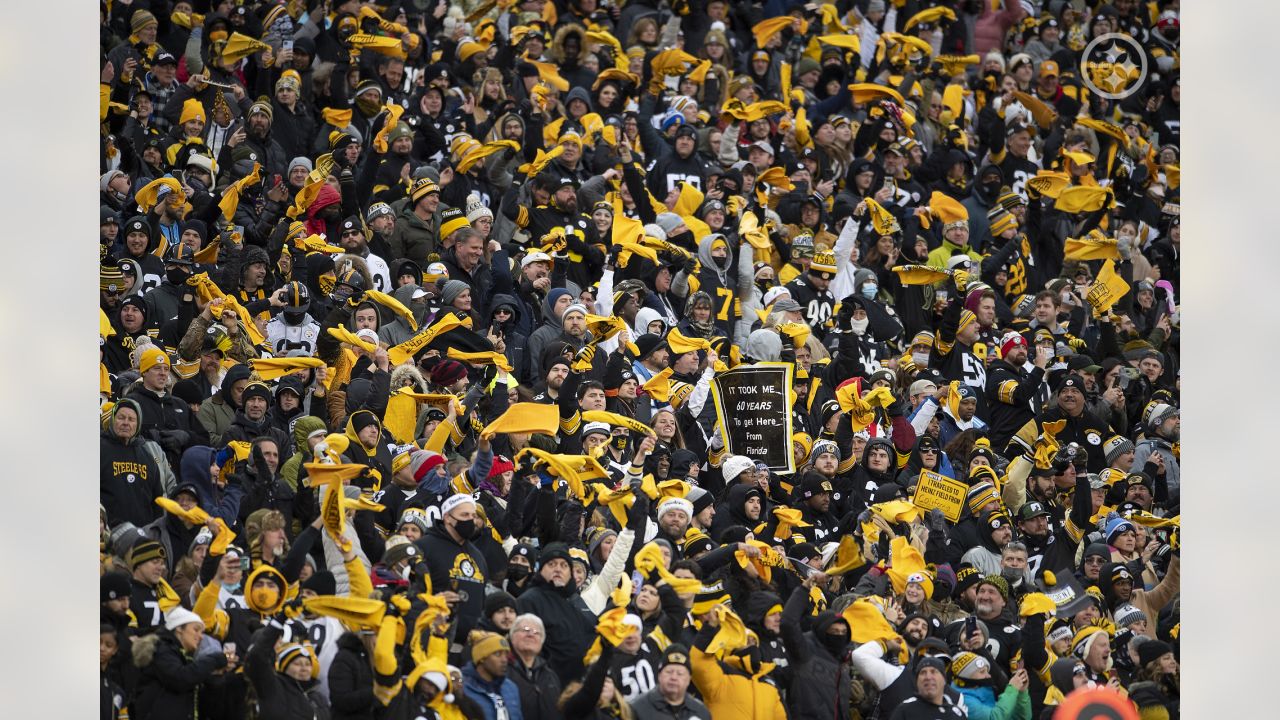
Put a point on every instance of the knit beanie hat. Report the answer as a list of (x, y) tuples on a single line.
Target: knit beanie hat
[(452, 289), (966, 665), (1116, 446), (1128, 614), (484, 644)]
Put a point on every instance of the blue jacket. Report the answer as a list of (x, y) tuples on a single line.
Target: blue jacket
[(488, 694), (982, 703)]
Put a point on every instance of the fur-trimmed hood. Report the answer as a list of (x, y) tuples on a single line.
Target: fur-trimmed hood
[(347, 260), (410, 374)]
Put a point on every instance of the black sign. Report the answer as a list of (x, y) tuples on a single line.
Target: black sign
[(753, 407)]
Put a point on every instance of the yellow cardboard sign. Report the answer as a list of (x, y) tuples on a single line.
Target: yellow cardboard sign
[(938, 491), (1107, 289)]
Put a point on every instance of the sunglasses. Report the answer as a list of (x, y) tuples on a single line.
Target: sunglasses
[(931, 451)]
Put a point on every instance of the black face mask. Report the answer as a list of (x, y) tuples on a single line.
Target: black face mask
[(517, 572), (176, 276), (294, 317), (619, 442), (835, 644), (466, 529), (684, 239), (991, 187), (764, 285)]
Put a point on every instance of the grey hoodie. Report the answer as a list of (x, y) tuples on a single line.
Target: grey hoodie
[(398, 330)]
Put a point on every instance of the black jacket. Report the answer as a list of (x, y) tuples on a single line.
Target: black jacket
[(279, 696), (570, 625), (820, 685), (173, 685), (1013, 398), (351, 681), (539, 688), (480, 280), (170, 422)]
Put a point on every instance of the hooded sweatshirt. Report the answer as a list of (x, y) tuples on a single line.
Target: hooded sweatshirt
[(129, 479)]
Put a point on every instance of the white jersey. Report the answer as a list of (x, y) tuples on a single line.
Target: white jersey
[(381, 273), (283, 337)]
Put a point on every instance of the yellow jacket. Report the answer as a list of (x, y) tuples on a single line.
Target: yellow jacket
[(731, 695)]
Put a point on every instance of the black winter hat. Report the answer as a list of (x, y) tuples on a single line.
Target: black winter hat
[(188, 392), (114, 586), (497, 601), (322, 582), (552, 551), (1152, 650)]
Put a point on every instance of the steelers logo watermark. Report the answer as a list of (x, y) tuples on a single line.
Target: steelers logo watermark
[(1113, 66)]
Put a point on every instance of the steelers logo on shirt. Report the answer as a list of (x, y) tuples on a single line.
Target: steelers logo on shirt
[(1093, 438)]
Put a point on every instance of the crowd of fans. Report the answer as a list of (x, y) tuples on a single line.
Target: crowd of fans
[(413, 313)]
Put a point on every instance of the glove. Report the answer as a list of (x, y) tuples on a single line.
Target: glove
[(354, 301), (961, 278), (1077, 344), (690, 266), (528, 466), (936, 521), (174, 440), (489, 374), (898, 409), (582, 361), (638, 513)]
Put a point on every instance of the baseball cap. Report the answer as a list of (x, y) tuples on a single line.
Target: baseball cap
[(1031, 510), (1048, 67), (534, 257)]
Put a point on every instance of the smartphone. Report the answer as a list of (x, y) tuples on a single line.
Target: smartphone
[(943, 295), (970, 626), (286, 45), (1122, 382), (276, 180), (229, 648)]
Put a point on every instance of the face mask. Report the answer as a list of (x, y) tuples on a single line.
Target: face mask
[(1012, 575), (292, 317), (920, 358), (466, 529), (367, 106), (265, 597), (992, 187), (859, 326), (764, 285), (835, 644), (869, 290), (176, 276), (196, 183), (619, 442), (517, 572), (403, 572)]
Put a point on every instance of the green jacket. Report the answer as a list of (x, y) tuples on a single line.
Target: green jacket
[(940, 255)]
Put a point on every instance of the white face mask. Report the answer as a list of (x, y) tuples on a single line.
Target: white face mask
[(859, 326), (920, 358)]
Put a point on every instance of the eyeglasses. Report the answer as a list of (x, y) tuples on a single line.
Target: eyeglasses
[(931, 451), (529, 630), (347, 233)]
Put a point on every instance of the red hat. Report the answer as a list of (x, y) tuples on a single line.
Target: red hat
[(1011, 341), (501, 464), (448, 372)]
